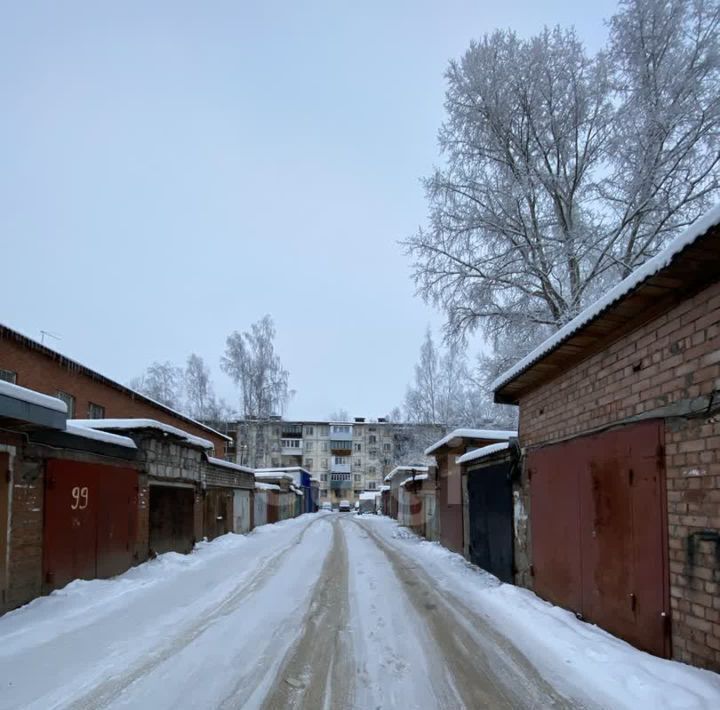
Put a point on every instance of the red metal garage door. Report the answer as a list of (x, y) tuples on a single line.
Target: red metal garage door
[(599, 531), (90, 521)]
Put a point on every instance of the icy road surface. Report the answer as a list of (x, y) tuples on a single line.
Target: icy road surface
[(325, 611)]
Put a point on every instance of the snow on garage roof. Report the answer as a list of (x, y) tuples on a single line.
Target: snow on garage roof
[(72, 427), (397, 469), (419, 477), (491, 434), (134, 424), (481, 453), (269, 474), (369, 495), (229, 464), (32, 397), (648, 269), (266, 486)]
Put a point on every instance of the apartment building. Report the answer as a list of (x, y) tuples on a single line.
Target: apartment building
[(347, 457)]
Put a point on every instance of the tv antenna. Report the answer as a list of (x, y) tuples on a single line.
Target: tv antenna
[(43, 333)]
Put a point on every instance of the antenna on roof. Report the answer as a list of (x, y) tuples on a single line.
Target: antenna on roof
[(43, 333)]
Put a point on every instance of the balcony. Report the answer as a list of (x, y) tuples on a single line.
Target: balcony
[(340, 432), (291, 447), (341, 447), (340, 485), (292, 431)]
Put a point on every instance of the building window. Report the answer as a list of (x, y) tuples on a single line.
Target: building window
[(371, 471), (324, 446), (386, 447), (308, 446), (371, 485), (309, 431), (290, 443), (323, 492), (340, 477), (69, 403), (323, 476), (276, 431), (274, 462), (324, 463), (372, 439), (340, 460), (372, 453), (358, 463), (358, 478), (341, 429), (357, 492), (309, 463), (95, 411), (323, 431), (8, 376), (358, 448)]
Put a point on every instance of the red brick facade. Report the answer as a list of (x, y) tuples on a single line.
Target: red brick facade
[(671, 361), (42, 370)]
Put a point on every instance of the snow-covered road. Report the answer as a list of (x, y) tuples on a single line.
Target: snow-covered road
[(326, 610)]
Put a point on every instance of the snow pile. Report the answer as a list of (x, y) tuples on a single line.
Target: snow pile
[(483, 452), (32, 397), (98, 435), (576, 657), (648, 269), (135, 424), (229, 464), (490, 434)]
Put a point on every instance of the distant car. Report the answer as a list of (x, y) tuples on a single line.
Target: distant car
[(345, 506), (326, 506)]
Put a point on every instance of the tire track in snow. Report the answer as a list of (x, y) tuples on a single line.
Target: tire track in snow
[(104, 693), (318, 669), (486, 669)]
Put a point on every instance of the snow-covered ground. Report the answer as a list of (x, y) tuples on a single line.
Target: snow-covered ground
[(325, 610)]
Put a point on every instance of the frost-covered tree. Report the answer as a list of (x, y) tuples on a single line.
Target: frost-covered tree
[(250, 360), (565, 171), (163, 382), (339, 415), (201, 401)]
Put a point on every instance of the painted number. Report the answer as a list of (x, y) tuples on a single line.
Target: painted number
[(80, 498)]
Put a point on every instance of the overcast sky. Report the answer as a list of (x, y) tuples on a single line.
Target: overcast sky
[(172, 171)]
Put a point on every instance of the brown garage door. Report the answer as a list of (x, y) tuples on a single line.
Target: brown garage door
[(90, 521), (598, 531), (172, 525)]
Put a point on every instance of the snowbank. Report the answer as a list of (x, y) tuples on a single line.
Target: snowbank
[(575, 656)]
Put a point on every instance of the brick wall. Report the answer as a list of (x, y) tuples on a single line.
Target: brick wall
[(672, 359), (38, 371)]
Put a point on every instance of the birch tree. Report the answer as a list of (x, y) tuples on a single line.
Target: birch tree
[(565, 171), (250, 360), (163, 382)]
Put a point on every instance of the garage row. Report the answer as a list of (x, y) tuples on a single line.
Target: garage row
[(85, 499), (590, 553)]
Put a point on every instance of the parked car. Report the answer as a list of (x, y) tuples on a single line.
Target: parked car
[(345, 506), (326, 506)]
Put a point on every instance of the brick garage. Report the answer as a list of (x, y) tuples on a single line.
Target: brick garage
[(651, 353), (37, 367)]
